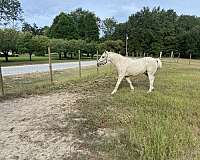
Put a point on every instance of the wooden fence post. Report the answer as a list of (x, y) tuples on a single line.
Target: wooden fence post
[(50, 66), (172, 54), (160, 55), (178, 57), (79, 58), (1, 82), (190, 58), (97, 61)]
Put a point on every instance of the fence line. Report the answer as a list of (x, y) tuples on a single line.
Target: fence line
[(178, 57), (190, 58), (1, 82), (79, 59), (50, 66), (49, 75), (97, 61)]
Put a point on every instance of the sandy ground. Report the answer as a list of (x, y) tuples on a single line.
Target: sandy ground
[(37, 127)]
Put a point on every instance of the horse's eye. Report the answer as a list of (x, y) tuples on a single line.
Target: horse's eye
[(103, 57)]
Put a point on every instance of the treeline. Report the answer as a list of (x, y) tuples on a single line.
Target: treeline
[(26, 42), (156, 30), (149, 31), (70, 32)]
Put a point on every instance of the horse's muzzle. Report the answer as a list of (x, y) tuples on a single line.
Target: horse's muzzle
[(100, 63)]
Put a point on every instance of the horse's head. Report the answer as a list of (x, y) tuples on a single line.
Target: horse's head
[(103, 59)]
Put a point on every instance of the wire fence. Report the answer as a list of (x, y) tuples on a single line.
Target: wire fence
[(22, 79), (19, 80)]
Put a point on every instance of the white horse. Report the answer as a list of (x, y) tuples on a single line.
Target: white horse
[(127, 67)]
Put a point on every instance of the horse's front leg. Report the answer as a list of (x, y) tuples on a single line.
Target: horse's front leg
[(120, 78)]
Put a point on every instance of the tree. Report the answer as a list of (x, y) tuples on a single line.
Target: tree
[(79, 24), (110, 45), (35, 30), (24, 43), (188, 42), (11, 12), (26, 27), (86, 24), (44, 31), (149, 31), (40, 44), (63, 27), (90, 49), (59, 46), (8, 41), (108, 27)]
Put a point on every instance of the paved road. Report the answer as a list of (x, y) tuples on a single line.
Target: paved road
[(15, 70)]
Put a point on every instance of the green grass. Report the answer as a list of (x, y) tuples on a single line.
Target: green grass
[(24, 60), (158, 126), (163, 125)]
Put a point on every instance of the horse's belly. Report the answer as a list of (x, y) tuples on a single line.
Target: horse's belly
[(133, 71)]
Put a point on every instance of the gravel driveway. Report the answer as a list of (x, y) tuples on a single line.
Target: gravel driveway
[(37, 127)]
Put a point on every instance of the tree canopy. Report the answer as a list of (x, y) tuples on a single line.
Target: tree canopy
[(79, 24), (10, 12), (158, 30), (108, 27)]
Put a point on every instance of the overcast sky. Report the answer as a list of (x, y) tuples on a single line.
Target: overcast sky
[(42, 12)]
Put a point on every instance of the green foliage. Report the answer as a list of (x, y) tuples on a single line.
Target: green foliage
[(108, 27), (11, 11), (8, 41), (63, 27), (110, 45), (35, 30), (40, 44), (156, 30), (79, 24), (71, 47), (24, 43)]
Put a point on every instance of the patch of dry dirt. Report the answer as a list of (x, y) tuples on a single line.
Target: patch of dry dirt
[(37, 127)]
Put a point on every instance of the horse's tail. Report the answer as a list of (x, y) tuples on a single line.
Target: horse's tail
[(159, 63)]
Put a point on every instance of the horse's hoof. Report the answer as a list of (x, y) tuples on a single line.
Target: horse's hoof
[(113, 93), (149, 92)]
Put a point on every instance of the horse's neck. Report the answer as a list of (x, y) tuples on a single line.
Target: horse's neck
[(115, 58)]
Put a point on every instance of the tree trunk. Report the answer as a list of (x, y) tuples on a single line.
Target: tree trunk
[(71, 55), (65, 55), (6, 56), (92, 56), (30, 56), (59, 56)]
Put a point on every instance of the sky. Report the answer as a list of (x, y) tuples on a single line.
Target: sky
[(42, 12)]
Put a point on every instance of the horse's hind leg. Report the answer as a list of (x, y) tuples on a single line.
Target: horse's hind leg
[(130, 83), (151, 81)]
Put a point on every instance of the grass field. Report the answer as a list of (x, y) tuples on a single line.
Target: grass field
[(131, 125), (24, 60)]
